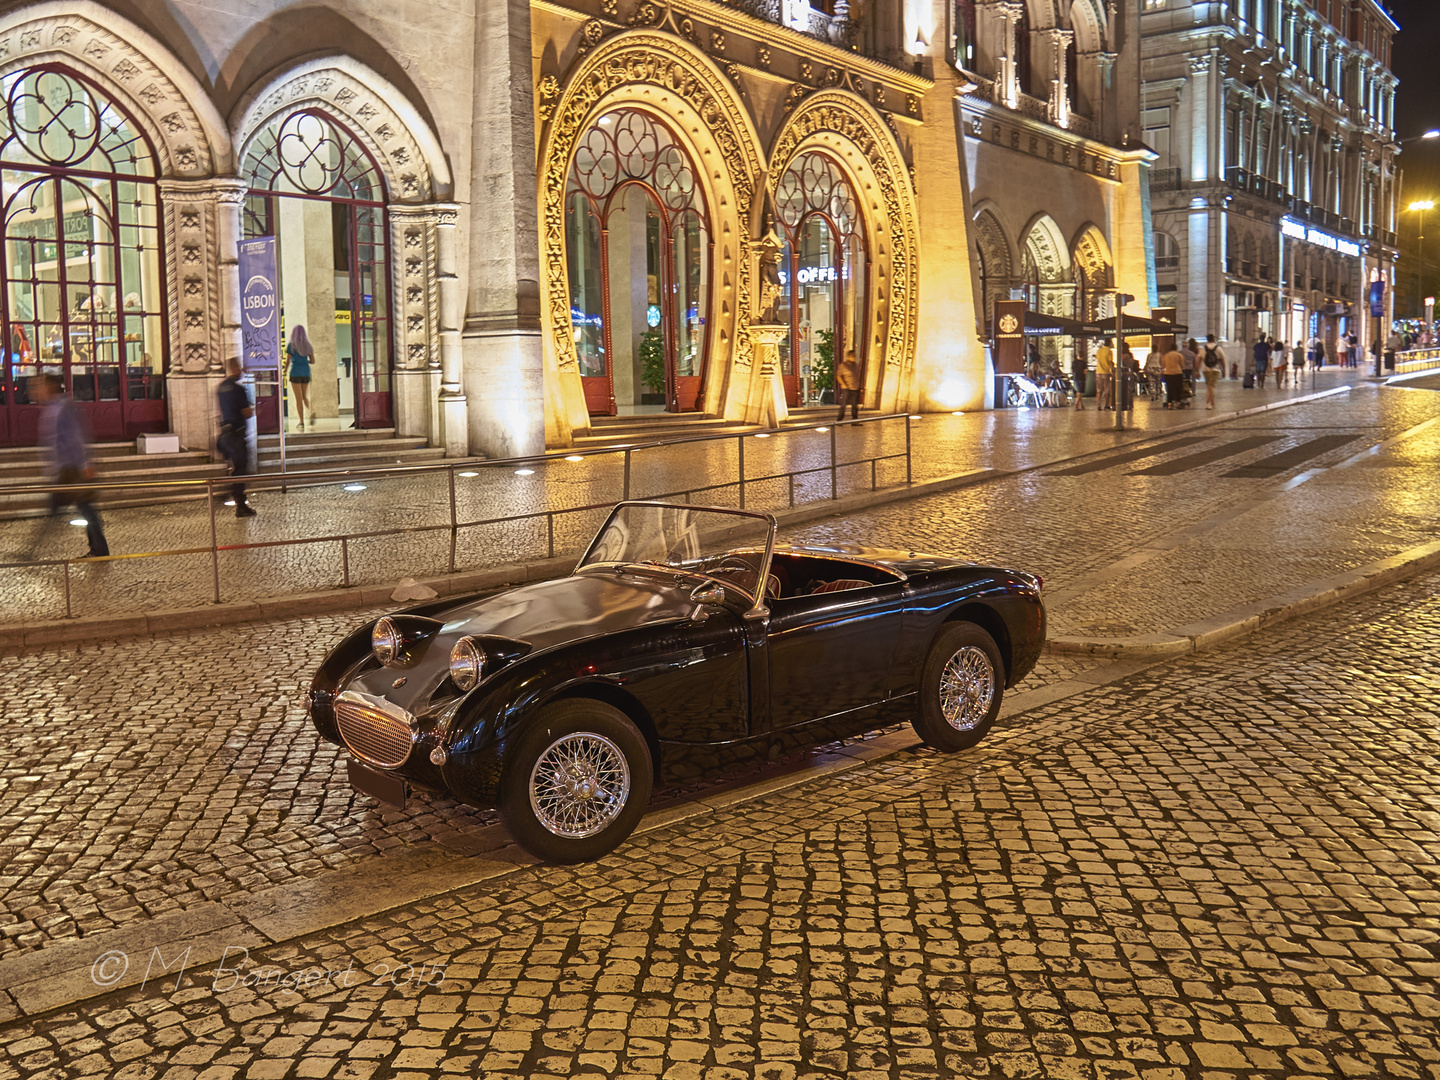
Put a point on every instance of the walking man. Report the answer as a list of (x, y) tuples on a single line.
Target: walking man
[(62, 433), (235, 409), (847, 386), (1105, 377), (1262, 361), (1213, 357)]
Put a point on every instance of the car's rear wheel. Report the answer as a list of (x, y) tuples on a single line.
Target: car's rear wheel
[(576, 783), (960, 689)]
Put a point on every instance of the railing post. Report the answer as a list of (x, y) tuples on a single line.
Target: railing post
[(791, 478), (626, 494), (214, 547), (344, 563), (454, 520), (909, 478), (68, 613), (550, 528), (872, 472), (834, 493), (740, 442)]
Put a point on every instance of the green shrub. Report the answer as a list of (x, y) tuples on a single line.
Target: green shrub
[(822, 361), (652, 361)]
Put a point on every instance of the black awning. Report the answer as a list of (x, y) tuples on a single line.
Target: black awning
[(1038, 325), (1134, 326)]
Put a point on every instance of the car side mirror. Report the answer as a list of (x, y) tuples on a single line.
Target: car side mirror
[(711, 595)]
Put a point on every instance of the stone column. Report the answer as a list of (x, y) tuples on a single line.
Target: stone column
[(1059, 105), (768, 407), (202, 233), (1007, 75), (503, 361), (428, 308)]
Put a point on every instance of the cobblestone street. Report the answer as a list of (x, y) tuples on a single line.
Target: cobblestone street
[(1221, 865)]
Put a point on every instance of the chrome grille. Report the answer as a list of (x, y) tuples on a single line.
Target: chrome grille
[(373, 734)]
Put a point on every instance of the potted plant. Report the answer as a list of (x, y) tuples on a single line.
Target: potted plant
[(652, 367), (822, 366)]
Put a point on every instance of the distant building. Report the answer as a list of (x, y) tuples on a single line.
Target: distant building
[(1273, 198)]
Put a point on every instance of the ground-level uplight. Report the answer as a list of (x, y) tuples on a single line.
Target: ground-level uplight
[(573, 457), (78, 521), (354, 487), (524, 472), (762, 435), (822, 429), (469, 474)]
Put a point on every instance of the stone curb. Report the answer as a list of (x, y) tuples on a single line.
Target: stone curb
[(109, 627), (1247, 618)]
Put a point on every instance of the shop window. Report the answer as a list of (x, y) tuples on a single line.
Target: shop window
[(83, 290), (318, 191), (639, 252)]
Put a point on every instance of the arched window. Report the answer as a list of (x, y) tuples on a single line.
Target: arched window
[(84, 293), (1167, 253), (823, 270), (316, 189), (638, 248), (1023, 74), (965, 36)]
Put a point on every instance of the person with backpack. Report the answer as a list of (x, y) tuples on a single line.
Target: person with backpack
[(1212, 357)]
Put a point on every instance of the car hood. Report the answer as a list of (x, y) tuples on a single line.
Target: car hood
[(565, 609)]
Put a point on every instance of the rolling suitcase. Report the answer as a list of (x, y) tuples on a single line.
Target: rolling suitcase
[(1249, 383)]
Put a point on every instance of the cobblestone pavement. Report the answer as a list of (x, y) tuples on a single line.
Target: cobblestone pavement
[(172, 771), (943, 445), (1218, 867)]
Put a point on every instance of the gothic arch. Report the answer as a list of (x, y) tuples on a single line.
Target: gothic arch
[(138, 71), (1046, 244), (855, 136), (378, 114), (1088, 22), (1092, 254), (994, 250)]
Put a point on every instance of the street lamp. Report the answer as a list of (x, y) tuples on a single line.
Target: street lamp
[(1421, 207)]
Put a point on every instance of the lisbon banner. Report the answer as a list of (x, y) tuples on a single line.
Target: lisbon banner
[(259, 304)]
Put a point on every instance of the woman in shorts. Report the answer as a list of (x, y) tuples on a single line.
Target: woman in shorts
[(298, 355)]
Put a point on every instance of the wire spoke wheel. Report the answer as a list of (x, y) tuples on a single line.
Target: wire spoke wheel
[(967, 688), (579, 785)]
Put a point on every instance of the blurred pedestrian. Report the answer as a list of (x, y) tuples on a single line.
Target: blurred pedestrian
[(1172, 370), (235, 411), (1342, 351), (1280, 361), (1191, 349), (1213, 359), (1261, 354), (847, 386), (63, 435), (1105, 376), (1297, 364), (1316, 348), (1077, 375)]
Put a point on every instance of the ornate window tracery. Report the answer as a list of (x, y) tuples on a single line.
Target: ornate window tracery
[(82, 284), (635, 213), (823, 268)]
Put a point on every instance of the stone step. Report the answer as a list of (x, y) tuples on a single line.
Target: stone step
[(269, 461)]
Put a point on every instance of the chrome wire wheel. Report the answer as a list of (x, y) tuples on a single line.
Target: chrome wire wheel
[(579, 785), (967, 688)]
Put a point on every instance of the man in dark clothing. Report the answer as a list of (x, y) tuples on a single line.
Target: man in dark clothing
[(1262, 360), (62, 433), (847, 386), (235, 410)]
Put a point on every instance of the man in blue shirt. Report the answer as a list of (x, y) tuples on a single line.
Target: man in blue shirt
[(1262, 360), (62, 433), (235, 410)]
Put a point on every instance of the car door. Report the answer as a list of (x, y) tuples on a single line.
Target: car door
[(829, 653)]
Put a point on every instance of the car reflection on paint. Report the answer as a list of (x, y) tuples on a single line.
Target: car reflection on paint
[(685, 640)]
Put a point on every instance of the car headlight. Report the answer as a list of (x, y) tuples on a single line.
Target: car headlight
[(467, 663), (385, 642)]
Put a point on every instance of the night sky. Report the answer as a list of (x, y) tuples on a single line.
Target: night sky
[(1418, 105)]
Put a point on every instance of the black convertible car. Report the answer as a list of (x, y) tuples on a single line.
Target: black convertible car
[(684, 639)]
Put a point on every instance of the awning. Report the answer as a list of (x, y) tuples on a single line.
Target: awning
[(1038, 325), (1133, 326)]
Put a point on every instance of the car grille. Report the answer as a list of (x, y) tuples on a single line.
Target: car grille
[(373, 734)]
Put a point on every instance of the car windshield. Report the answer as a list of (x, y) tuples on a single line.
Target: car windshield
[(729, 545)]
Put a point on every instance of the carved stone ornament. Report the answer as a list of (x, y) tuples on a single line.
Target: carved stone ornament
[(654, 61), (831, 112), (142, 86), (364, 111)]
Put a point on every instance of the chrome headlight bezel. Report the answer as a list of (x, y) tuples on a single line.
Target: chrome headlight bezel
[(385, 642), (467, 664)]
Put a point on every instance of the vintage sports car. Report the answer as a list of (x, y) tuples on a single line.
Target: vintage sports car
[(684, 640)]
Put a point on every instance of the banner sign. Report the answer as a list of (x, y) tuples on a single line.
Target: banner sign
[(259, 304), (1377, 299), (1009, 337)]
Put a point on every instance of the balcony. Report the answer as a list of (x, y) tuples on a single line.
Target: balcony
[(1166, 180), (807, 18), (1252, 183)]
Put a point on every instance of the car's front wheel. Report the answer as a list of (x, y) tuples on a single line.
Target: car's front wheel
[(961, 688), (576, 782)]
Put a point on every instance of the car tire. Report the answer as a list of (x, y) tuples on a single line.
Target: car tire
[(960, 689), (576, 782)]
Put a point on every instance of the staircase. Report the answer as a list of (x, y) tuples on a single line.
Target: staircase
[(117, 463)]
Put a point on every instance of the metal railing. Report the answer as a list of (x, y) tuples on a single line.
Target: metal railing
[(214, 491)]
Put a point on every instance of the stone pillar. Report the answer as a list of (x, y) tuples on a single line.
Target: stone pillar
[(502, 356), (1007, 75), (1198, 98), (428, 308), (202, 232), (768, 406), (1059, 105)]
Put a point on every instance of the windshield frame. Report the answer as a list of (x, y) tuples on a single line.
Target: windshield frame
[(757, 599)]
